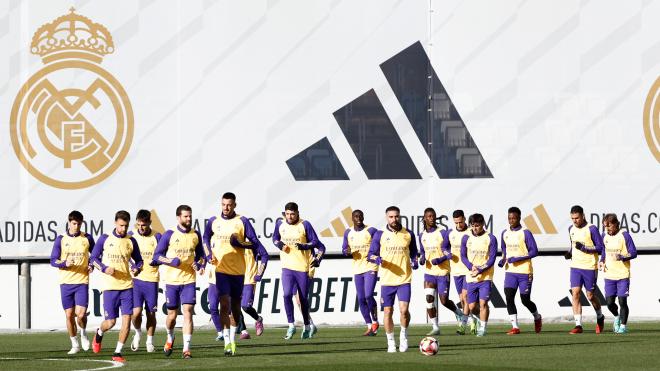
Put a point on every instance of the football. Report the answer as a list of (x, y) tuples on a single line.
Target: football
[(428, 346)]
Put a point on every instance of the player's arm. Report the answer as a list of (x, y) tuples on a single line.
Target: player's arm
[(56, 254), (630, 246), (492, 253), (345, 249), (596, 239), (414, 253), (464, 256), (603, 255), (445, 249), (276, 236), (136, 256), (374, 249), (312, 238), (532, 248), (200, 262), (97, 254), (90, 240), (261, 255), (503, 261), (318, 252), (422, 252), (161, 251), (206, 239)]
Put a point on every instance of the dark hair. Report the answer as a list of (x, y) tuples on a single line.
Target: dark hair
[(229, 196), (458, 214), (577, 209), (143, 215), (429, 210), (182, 208), (515, 210), (292, 206), (392, 208), (611, 218), (76, 215), (477, 219), (357, 211), (123, 215)]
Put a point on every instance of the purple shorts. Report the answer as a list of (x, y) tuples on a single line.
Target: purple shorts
[(584, 277), (176, 295), (459, 282), (145, 294), (478, 291), (229, 284), (442, 283), (387, 294), (115, 299), (248, 295), (617, 287), (74, 295), (521, 281)]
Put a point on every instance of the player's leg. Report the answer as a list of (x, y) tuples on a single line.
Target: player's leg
[(403, 294), (610, 297), (138, 303), (247, 302), (362, 301), (510, 289), (151, 330), (623, 289), (69, 304), (443, 284), (172, 302), (576, 288), (387, 294), (370, 279), (303, 283), (464, 311), (126, 306), (188, 301), (81, 298), (111, 305), (235, 291), (288, 289), (525, 286), (430, 293), (484, 310), (151, 306), (472, 296), (589, 287), (214, 309)]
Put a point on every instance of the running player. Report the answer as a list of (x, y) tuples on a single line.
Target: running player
[(459, 271)]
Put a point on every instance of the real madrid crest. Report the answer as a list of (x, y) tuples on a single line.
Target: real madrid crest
[(71, 124)]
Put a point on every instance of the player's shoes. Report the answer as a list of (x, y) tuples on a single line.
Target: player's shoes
[(312, 330), (481, 333), (150, 348), (622, 330), (186, 355), (230, 349), (117, 357), (461, 329), (259, 326), (219, 338), (168, 347), (600, 324), (368, 332), (96, 343), (374, 329), (403, 344), (73, 350), (289, 333), (473, 326), (576, 330), (435, 331), (135, 343), (305, 333), (616, 324), (538, 324), (244, 335), (391, 348), (84, 342), (513, 331)]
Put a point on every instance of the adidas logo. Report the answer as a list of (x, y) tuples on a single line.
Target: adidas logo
[(375, 142), (542, 215), (337, 225)]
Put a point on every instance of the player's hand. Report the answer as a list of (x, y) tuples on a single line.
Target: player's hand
[(68, 263), (346, 251), (619, 257), (435, 261), (579, 246), (303, 246), (233, 240), (512, 260), (315, 263), (422, 259), (109, 271), (601, 266), (90, 268), (286, 249), (175, 262), (154, 263), (568, 255), (135, 271), (201, 271), (415, 265), (501, 263)]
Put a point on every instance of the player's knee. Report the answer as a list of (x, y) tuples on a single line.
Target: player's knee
[(81, 316), (526, 300)]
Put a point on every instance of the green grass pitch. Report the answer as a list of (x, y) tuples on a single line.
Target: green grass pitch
[(344, 348)]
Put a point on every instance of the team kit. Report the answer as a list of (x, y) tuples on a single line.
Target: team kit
[(134, 262)]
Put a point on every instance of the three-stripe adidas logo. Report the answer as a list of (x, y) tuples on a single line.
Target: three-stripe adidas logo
[(338, 225), (543, 217), (375, 142)]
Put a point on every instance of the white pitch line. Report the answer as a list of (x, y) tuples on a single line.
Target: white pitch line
[(113, 364)]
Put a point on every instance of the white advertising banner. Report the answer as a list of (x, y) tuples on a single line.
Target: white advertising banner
[(333, 298), (477, 105)]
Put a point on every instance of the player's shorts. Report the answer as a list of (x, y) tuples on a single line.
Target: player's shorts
[(460, 283), (247, 300), (74, 295), (229, 284), (519, 281), (145, 294), (442, 283), (584, 277), (176, 295), (113, 300), (387, 294), (617, 287), (478, 291)]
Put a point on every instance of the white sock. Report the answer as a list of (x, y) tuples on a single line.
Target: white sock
[(220, 334), (390, 338), (404, 333), (83, 332), (622, 326), (514, 320), (170, 335), (578, 319), (374, 322), (138, 333), (225, 335), (99, 332), (434, 321), (232, 334), (187, 338), (599, 313), (244, 331), (74, 342), (536, 315), (118, 347), (150, 339), (291, 325), (482, 325)]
